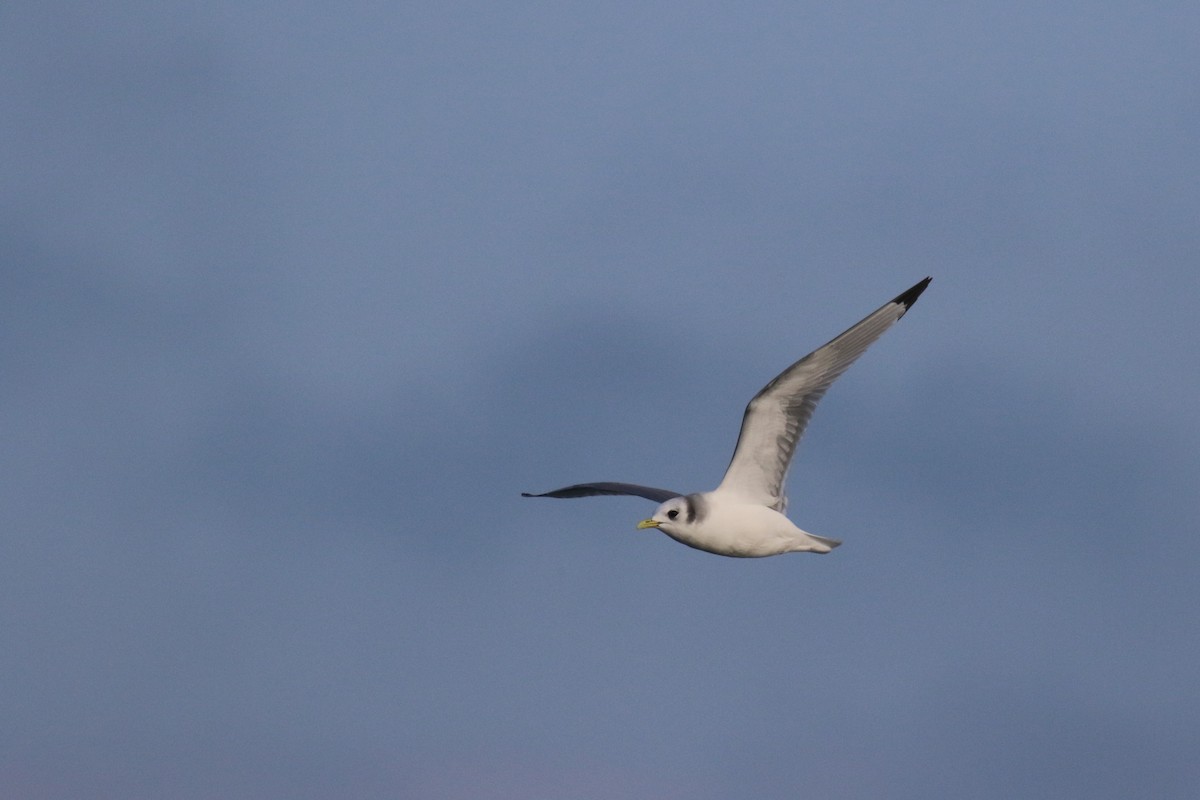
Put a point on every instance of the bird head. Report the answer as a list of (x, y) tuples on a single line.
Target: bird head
[(673, 514)]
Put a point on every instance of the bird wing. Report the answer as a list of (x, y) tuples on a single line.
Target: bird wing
[(776, 417), (609, 488)]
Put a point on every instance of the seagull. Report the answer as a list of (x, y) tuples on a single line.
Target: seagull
[(744, 516)]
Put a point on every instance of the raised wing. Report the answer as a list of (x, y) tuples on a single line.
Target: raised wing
[(592, 489), (776, 417)]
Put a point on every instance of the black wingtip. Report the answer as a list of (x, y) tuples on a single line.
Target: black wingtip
[(909, 297), (527, 494)]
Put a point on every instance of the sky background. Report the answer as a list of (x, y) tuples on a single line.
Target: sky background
[(297, 298)]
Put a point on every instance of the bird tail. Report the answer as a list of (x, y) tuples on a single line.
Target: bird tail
[(820, 544)]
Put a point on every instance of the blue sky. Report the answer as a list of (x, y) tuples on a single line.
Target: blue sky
[(298, 299)]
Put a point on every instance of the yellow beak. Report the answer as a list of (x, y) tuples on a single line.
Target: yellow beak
[(647, 523)]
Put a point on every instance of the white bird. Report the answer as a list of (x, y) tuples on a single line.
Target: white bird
[(744, 516)]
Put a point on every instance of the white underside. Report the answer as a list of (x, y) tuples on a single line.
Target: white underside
[(733, 527)]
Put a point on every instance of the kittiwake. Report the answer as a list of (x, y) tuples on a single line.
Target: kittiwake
[(744, 516)]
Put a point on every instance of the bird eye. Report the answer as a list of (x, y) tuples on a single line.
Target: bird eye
[(672, 514)]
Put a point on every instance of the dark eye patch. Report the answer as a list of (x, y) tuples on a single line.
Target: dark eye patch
[(672, 514)]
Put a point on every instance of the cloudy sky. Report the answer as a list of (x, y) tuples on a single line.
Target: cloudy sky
[(297, 298)]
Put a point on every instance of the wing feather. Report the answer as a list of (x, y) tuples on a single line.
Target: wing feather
[(776, 417), (609, 488)]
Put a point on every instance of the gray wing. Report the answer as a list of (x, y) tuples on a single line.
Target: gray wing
[(592, 489), (776, 417)]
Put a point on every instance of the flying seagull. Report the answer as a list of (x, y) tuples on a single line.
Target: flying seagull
[(744, 516)]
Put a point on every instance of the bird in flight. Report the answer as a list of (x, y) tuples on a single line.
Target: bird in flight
[(744, 516)]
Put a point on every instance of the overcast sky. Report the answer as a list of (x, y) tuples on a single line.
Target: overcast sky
[(299, 297)]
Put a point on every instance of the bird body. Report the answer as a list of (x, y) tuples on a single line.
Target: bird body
[(744, 516), (730, 526)]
